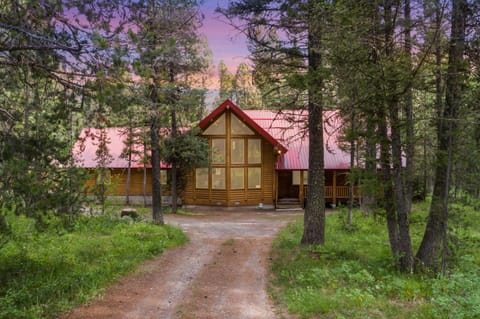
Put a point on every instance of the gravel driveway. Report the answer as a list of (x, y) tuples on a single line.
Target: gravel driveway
[(220, 273)]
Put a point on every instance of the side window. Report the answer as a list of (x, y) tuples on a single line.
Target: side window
[(201, 178), (254, 151), (237, 150), (254, 177), (163, 177), (237, 178), (104, 177), (218, 151), (218, 178)]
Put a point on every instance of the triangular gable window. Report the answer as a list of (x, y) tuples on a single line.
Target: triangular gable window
[(217, 127), (239, 128)]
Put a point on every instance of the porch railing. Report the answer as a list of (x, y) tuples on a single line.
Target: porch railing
[(340, 192)]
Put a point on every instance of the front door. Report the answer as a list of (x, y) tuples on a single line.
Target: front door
[(285, 187)]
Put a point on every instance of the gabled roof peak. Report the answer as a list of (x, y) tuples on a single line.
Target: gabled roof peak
[(229, 105)]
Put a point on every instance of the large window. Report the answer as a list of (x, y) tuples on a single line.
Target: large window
[(254, 177), (163, 177), (217, 127), (218, 178), (254, 151), (201, 178), (218, 151), (235, 156), (237, 178), (296, 177), (238, 127), (237, 151)]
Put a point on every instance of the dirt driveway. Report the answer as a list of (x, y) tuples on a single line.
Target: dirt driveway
[(220, 273)]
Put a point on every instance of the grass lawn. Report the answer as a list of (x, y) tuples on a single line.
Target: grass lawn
[(352, 275), (45, 273)]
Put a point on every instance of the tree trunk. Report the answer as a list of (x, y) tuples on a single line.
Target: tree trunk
[(144, 170), (369, 195), (405, 246), (435, 233), (352, 164), (405, 254), (129, 168), (156, 181), (410, 146), (314, 217), (174, 165), (129, 174), (155, 160), (388, 201)]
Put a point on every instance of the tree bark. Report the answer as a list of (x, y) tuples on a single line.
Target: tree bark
[(388, 192), (314, 217), (155, 160), (435, 233), (369, 197), (352, 164), (174, 165), (410, 146), (144, 140), (405, 246), (129, 168), (405, 253)]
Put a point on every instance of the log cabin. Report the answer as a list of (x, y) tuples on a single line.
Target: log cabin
[(257, 158)]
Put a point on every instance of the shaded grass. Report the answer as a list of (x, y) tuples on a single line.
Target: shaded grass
[(44, 274), (353, 274)]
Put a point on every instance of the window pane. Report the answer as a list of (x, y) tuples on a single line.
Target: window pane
[(104, 176), (305, 177), (254, 177), (296, 178), (237, 151), (163, 177), (218, 151), (201, 178), (254, 151), (217, 127), (238, 127), (218, 178), (237, 178)]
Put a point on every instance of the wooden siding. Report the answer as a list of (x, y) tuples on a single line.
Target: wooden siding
[(118, 182), (238, 197)]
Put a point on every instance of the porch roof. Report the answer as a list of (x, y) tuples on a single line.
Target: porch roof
[(289, 127)]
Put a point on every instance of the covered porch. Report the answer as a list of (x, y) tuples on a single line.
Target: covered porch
[(292, 188)]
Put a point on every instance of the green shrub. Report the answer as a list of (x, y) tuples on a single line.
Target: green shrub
[(353, 274), (43, 274)]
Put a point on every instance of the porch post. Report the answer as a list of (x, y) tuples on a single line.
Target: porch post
[(334, 190), (275, 188), (301, 189)]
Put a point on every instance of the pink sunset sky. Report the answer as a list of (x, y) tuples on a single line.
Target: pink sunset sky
[(225, 42)]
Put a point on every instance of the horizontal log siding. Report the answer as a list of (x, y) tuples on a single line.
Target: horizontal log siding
[(118, 181), (189, 194), (268, 173)]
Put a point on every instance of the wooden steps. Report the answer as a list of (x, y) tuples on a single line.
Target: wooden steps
[(289, 203)]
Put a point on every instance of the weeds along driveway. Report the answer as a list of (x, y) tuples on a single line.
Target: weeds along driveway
[(220, 273)]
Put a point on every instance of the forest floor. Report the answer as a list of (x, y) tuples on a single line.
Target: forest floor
[(220, 273)]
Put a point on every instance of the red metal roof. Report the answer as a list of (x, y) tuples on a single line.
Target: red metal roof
[(285, 129), (289, 127)]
